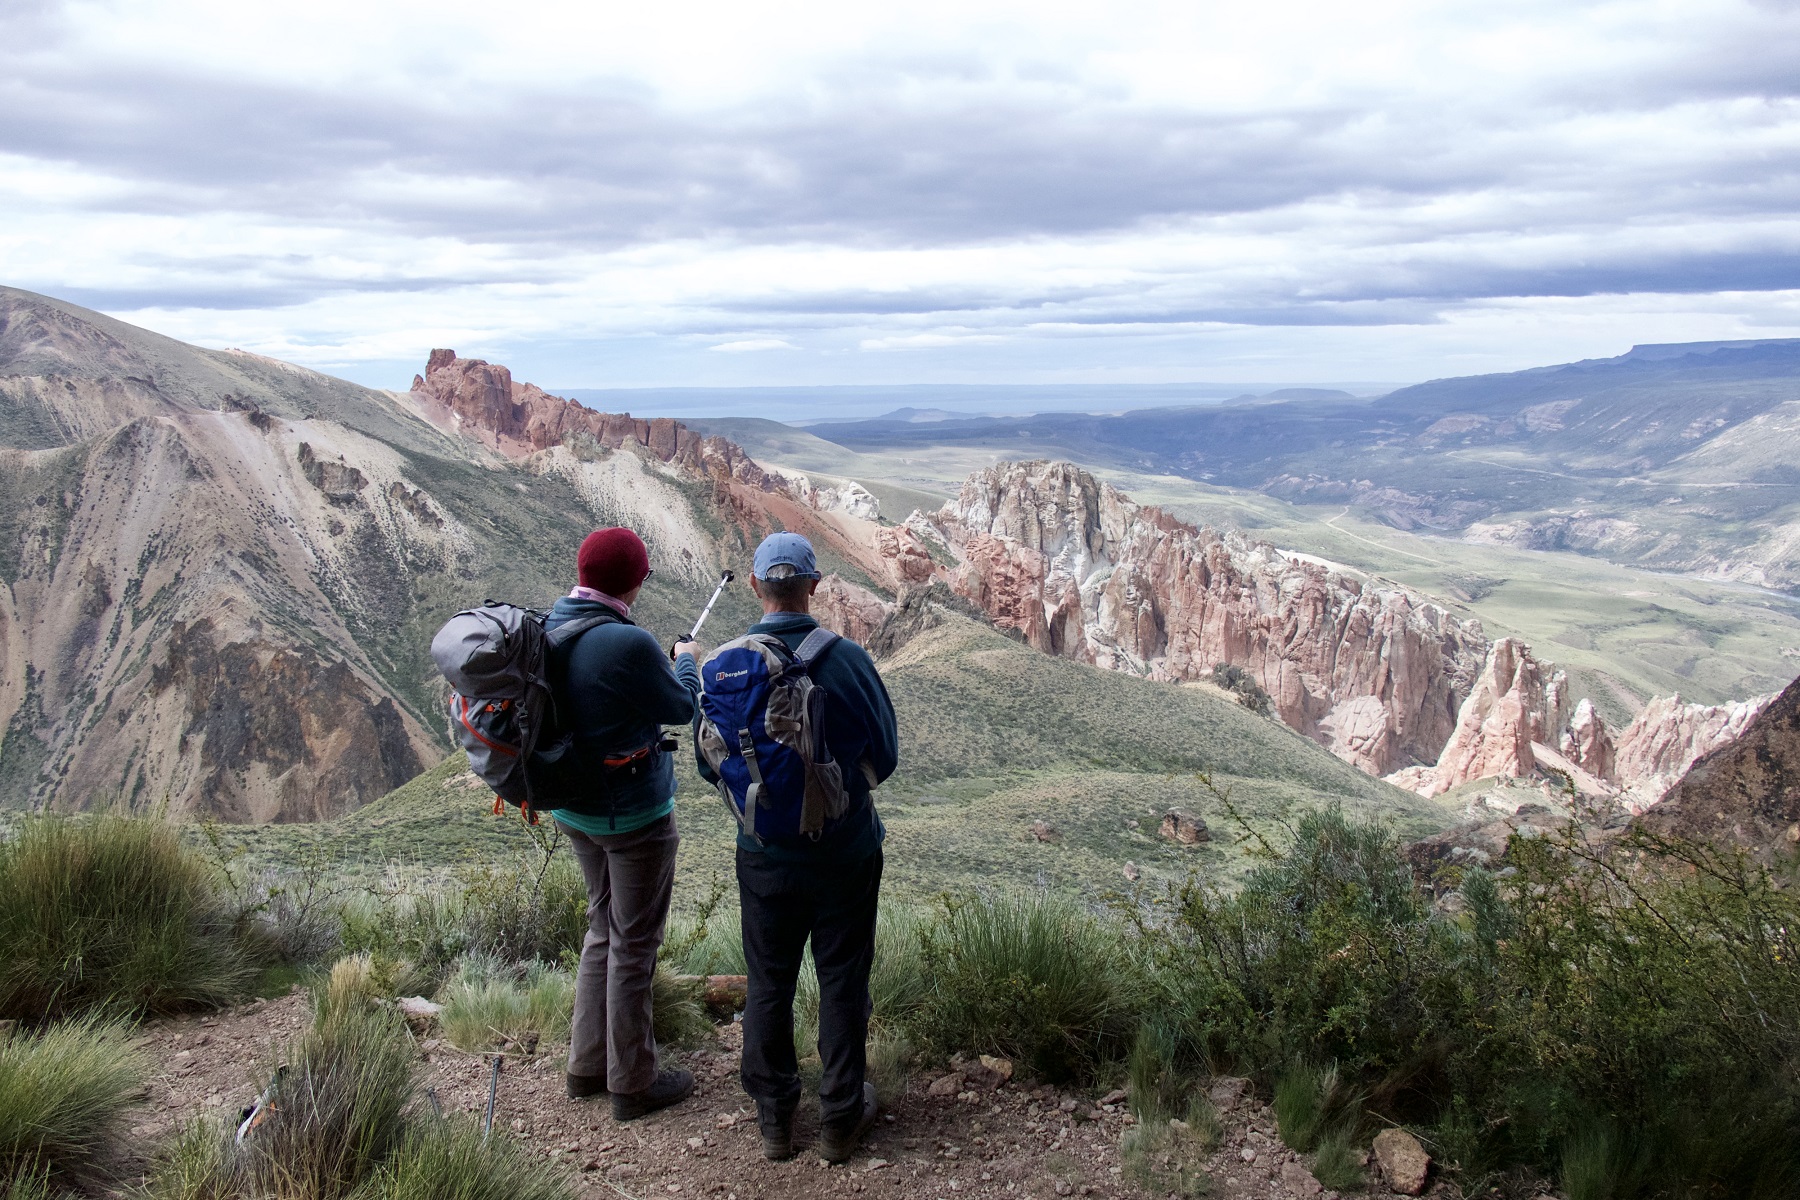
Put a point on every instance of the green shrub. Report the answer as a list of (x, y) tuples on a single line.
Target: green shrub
[(1652, 988), (1034, 978), (113, 913), (449, 1160), (1654, 983), (63, 1093), (1326, 954), (534, 907), (424, 928)]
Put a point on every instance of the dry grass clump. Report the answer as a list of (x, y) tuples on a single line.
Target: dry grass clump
[(335, 1114)]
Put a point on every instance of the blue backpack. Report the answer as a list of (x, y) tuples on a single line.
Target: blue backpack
[(762, 730)]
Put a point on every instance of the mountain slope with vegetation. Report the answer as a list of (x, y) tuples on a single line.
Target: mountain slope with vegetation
[(1015, 767), (221, 572)]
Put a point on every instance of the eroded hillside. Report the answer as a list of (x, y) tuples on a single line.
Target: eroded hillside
[(221, 572)]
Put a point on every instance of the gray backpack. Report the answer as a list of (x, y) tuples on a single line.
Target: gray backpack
[(497, 660)]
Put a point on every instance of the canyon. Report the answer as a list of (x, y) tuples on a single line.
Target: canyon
[(1385, 678), (220, 570)]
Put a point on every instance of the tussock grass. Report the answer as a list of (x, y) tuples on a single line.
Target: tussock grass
[(1161, 1160), (1337, 1165), (486, 1000), (1033, 977), (63, 1093), (34, 1185), (678, 1018), (113, 913), (1309, 1104), (196, 1166), (714, 948), (447, 1160), (336, 1113), (1154, 1084)]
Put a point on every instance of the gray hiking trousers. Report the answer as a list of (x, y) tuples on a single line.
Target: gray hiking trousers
[(629, 878)]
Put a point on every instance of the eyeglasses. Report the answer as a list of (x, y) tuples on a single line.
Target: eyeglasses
[(648, 574)]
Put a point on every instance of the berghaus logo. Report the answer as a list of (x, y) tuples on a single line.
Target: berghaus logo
[(730, 674)]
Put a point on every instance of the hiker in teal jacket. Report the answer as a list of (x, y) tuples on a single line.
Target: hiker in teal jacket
[(824, 890), (615, 689)]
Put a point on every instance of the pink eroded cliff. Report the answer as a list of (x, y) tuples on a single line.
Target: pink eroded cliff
[(483, 400), (1375, 673), (1518, 720), (1380, 675), (1518, 702), (1669, 736), (849, 610)]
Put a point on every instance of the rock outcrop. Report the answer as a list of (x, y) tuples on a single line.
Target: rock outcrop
[(1384, 677), (1518, 723), (483, 401), (1746, 792), (1373, 671), (1669, 736), (852, 611), (1517, 703)]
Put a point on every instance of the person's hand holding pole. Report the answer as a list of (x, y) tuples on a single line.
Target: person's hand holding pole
[(687, 645)]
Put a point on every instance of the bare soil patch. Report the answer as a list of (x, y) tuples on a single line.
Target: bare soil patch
[(1017, 1140)]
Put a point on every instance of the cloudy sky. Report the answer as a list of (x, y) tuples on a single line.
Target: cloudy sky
[(785, 193)]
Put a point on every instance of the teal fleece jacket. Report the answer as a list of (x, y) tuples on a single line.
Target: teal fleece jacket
[(617, 690), (859, 727)]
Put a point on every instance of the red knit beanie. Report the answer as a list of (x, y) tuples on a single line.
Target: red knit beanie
[(612, 561)]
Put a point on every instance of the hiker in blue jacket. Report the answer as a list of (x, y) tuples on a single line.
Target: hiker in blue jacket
[(824, 888), (616, 689)]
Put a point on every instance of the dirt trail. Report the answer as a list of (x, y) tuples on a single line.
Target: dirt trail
[(1015, 1141)]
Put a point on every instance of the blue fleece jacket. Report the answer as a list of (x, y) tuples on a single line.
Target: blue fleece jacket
[(617, 689), (859, 728)]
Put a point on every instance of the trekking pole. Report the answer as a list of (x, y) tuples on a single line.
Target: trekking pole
[(487, 1126), (706, 612), (259, 1112)]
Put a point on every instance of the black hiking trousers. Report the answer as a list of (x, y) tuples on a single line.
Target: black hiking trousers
[(783, 904)]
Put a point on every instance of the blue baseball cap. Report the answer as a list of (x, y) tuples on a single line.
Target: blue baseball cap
[(785, 550)]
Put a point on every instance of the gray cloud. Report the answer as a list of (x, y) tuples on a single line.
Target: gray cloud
[(860, 162)]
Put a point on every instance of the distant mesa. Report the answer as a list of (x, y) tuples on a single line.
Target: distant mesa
[(1660, 351)]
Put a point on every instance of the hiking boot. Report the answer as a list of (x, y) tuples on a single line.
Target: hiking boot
[(838, 1142), (581, 1087), (671, 1087), (777, 1131)]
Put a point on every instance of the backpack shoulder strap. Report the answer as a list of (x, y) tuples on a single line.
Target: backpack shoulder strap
[(568, 631), (815, 646)]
